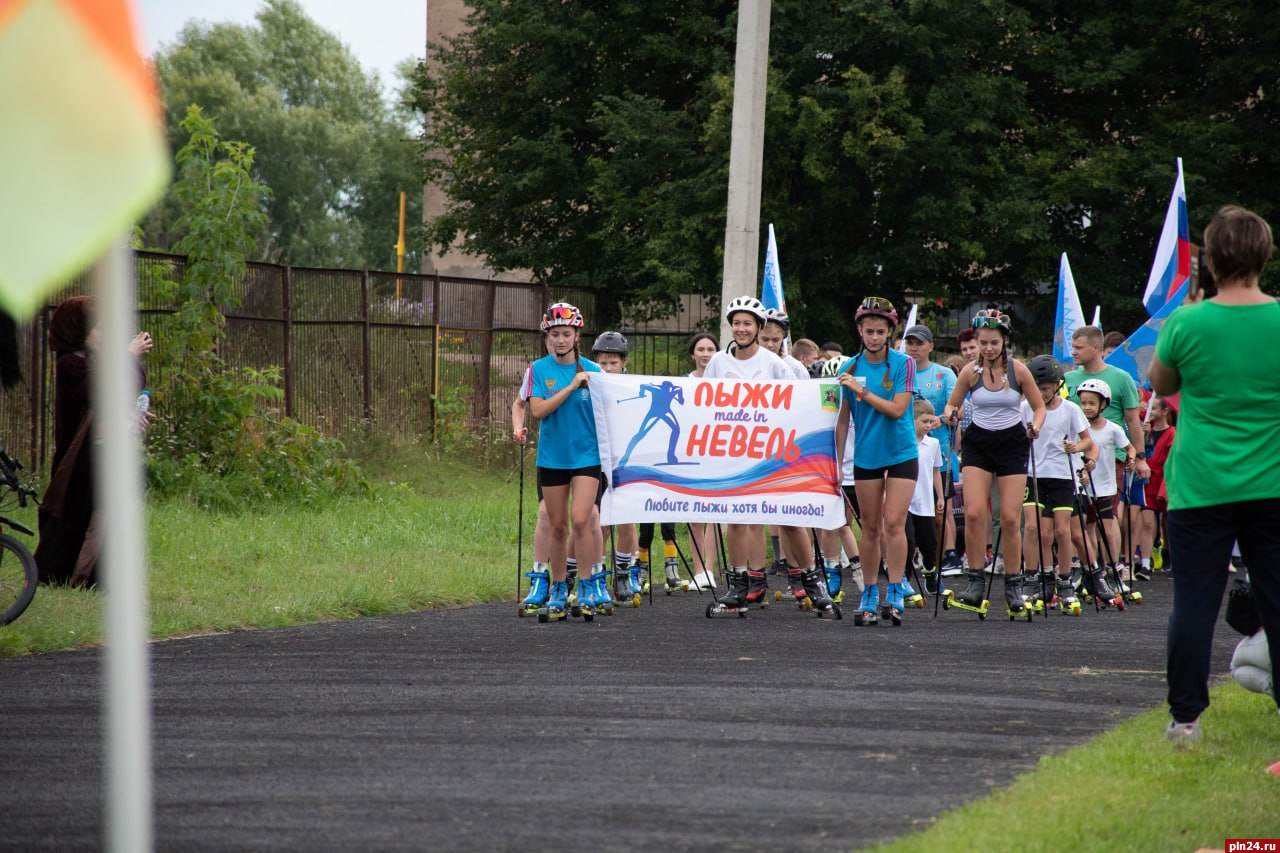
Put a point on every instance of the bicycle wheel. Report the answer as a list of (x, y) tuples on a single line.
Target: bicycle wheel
[(18, 578)]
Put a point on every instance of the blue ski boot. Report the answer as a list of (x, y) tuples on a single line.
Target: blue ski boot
[(587, 594), (557, 603), (539, 589), (639, 583), (910, 598), (835, 580), (603, 601), (894, 602), (867, 610)]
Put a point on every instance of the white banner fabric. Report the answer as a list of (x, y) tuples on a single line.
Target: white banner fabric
[(718, 450)]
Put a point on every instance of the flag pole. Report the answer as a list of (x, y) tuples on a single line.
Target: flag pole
[(122, 564)]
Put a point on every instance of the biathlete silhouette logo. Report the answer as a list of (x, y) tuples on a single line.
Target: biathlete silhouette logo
[(662, 396)]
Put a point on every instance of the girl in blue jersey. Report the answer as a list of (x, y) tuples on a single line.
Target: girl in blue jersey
[(568, 457), (876, 389)]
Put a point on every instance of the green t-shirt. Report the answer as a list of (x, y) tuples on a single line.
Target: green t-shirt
[(1124, 395), (1227, 447)]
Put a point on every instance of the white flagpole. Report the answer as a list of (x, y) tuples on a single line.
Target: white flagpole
[(122, 562), (1097, 317)]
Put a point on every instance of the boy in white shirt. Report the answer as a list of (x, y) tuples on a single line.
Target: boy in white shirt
[(1099, 481), (1049, 502)]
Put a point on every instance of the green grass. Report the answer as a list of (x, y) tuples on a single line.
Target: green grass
[(1130, 789), (434, 534)]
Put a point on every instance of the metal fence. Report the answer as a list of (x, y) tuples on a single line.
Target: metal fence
[(398, 352)]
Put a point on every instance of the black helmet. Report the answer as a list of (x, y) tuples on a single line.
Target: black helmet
[(1045, 368), (612, 342)]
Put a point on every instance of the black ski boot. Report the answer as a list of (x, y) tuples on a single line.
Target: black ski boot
[(817, 595), (1015, 597), (1105, 595), (757, 588), (972, 598), (734, 601)]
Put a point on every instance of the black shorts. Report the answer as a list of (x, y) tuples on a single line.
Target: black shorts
[(1055, 495), (1002, 452), (553, 477), (901, 471), (1097, 509)]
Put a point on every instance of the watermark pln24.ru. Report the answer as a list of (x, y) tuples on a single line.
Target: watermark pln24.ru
[(1249, 845)]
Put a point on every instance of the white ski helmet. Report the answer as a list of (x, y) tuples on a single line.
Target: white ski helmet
[(1097, 386), (777, 315), (749, 304)]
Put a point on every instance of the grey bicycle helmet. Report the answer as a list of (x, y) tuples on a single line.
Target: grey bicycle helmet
[(612, 342)]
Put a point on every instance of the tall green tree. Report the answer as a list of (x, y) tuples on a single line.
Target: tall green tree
[(335, 154), (946, 147)]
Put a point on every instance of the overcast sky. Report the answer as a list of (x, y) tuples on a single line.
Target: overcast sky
[(379, 32)]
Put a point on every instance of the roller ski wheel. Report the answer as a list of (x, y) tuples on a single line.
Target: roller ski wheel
[(636, 599), (1069, 607), (891, 614), (838, 598), (545, 615), (915, 600)]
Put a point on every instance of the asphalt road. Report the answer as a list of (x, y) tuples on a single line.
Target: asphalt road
[(656, 728)]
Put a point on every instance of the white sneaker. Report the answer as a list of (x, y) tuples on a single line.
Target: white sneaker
[(702, 581), (1181, 733)]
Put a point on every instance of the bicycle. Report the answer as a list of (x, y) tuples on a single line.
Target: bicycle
[(18, 573)]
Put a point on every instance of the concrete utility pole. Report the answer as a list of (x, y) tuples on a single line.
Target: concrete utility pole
[(746, 156)]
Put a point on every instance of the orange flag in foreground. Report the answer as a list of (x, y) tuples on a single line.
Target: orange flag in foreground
[(82, 149)]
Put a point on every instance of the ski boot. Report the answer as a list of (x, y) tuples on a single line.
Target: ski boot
[(674, 582), (835, 582), (894, 602), (932, 581), (869, 606), (818, 596), (796, 584), (854, 570), (603, 600), (779, 567), (583, 604), (1033, 590), (1103, 593), (557, 603), (1124, 586), (1015, 598), (734, 601), (911, 598), (621, 577), (972, 598), (539, 589), (639, 583), (571, 581), (757, 588), (1065, 594)]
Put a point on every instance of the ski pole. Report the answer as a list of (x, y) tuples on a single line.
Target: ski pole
[(1036, 513), (1085, 574), (946, 489), (1115, 571), (520, 524)]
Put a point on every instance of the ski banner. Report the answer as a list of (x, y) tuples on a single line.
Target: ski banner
[(717, 450)]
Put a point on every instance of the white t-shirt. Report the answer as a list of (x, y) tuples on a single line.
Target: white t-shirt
[(762, 365), (1064, 421), (923, 500), (1109, 439)]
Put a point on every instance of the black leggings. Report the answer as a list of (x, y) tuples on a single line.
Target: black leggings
[(646, 533), (921, 533)]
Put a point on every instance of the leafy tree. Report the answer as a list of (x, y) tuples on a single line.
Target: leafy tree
[(948, 147), (218, 440), (335, 155)]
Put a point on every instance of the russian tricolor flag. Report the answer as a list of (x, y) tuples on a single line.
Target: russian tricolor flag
[(1172, 265)]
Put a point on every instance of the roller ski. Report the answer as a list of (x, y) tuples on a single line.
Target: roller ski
[(932, 581), (674, 583), (734, 601), (972, 598), (869, 607), (1065, 596), (637, 583), (1033, 589), (1015, 598), (539, 591), (583, 603), (818, 596), (557, 605), (1102, 591), (911, 598), (795, 584), (894, 603)]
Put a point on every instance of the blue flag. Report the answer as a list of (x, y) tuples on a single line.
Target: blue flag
[(1070, 313), (1135, 354), (771, 289)]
